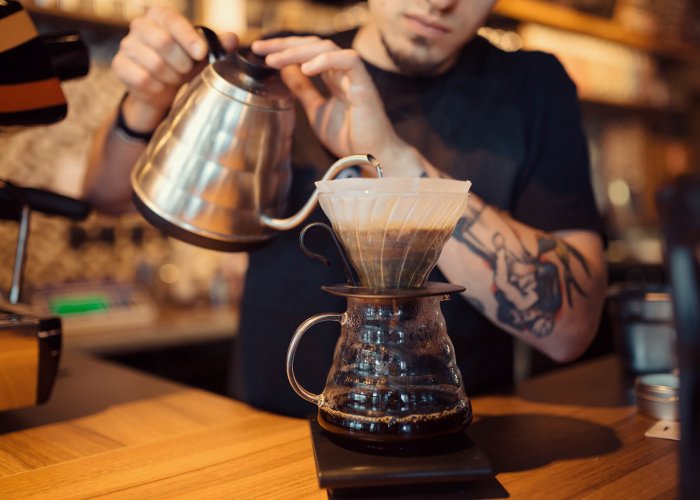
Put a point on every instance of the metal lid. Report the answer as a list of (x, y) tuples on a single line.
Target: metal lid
[(658, 386), (641, 303), (244, 76)]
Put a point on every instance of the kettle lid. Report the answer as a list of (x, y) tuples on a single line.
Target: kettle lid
[(244, 76)]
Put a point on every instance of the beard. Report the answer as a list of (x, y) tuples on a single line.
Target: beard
[(410, 62)]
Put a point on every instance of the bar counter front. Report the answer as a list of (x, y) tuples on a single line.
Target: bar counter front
[(110, 431)]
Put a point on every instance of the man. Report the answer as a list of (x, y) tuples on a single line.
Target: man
[(419, 90)]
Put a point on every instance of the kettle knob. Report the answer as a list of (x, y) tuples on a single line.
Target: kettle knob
[(216, 50), (253, 64)]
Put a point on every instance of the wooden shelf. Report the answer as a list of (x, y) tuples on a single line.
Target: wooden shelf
[(532, 11), (76, 16), (568, 19), (632, 107)]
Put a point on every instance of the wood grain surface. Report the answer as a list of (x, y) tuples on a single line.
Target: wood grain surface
[(112, 432), (19, 368)]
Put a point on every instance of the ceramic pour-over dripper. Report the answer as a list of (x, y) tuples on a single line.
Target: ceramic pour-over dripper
[(393, 228)]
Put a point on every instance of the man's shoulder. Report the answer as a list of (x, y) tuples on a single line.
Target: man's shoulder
[(528, 67), (520, 60)]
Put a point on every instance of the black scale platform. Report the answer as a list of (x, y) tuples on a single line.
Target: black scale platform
[(443, 470)]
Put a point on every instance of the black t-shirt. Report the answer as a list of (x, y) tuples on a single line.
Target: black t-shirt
[(508, 122)]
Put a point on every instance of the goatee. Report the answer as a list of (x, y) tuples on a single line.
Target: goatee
[(408, 64)]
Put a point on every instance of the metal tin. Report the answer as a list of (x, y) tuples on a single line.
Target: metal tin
[(643, 327), (657, 395)]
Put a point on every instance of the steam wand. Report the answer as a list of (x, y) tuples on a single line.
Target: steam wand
[(22, 235), (20, 254), (17, 203)]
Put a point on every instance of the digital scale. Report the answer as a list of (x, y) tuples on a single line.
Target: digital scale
[(447, 469)]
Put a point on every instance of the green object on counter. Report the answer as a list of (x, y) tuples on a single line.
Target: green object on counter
[(80, 304)]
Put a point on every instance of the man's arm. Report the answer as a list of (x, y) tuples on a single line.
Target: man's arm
[(154, 60), (545, 288), (106, 184)]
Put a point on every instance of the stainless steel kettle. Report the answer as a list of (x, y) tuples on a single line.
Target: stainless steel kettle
[(217, 171)]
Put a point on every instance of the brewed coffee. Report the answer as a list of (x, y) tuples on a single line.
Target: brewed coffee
[(385, 429)]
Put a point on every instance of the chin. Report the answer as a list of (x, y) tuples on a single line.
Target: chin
[(417, 57), (422, 66)]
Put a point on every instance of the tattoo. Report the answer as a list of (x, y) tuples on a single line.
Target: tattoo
[(527, 287)]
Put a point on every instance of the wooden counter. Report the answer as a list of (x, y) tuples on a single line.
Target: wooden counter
[(110, 431)]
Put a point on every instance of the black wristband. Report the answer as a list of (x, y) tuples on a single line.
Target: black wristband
[(126, 132)]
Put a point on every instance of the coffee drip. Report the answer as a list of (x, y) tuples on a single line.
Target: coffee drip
[(394, 378), (393, 229)]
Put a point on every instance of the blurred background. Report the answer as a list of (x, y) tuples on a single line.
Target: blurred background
[(128, 293)]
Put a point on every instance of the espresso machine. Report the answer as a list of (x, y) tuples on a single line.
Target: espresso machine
[(31, 70), (394, 409)]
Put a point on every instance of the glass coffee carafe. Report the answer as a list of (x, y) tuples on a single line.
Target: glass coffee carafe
[(394, 379)]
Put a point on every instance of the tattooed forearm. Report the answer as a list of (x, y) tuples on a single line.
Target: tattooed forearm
[(463, 232), (564, 252), (527, 287)]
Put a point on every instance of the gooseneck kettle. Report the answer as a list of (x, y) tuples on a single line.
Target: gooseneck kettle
[(217, 171)]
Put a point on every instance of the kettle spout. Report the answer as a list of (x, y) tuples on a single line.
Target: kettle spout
[(340, 165)]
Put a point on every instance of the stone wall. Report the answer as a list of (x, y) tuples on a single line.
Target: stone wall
[(122, 249)]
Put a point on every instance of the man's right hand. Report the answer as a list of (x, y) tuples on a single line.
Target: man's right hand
[(159, 54)]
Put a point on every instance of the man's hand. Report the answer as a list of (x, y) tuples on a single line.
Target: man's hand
[(352, 119), (159, 54)]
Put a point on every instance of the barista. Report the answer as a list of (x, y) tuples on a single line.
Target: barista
[(419, 90)]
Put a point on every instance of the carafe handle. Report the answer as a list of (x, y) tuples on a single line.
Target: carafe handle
[(316, 399)]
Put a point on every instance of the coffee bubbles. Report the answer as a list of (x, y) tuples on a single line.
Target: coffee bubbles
[(393, 430)]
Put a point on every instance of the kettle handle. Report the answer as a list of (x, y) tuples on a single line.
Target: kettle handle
[(316, 399), (331, 173), (216, 50)]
